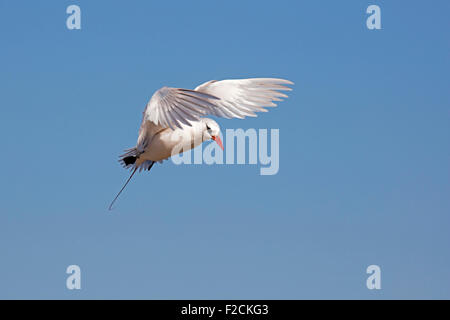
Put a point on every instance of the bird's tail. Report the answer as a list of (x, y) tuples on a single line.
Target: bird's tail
[(128, 160)]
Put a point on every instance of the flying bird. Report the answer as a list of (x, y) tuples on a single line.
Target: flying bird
[(176, 117)]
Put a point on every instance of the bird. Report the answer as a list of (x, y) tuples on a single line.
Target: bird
[(176, 117)]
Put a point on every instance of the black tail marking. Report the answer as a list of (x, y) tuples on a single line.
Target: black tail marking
[(129, 160)]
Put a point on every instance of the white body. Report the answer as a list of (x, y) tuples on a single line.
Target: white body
[(166, 142)]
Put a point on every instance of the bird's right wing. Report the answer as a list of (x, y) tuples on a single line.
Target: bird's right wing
[(243, 97)]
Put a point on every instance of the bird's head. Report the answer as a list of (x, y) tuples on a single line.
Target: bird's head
[(211, 131)]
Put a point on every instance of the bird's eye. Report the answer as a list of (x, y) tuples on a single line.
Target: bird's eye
[(207, 127)]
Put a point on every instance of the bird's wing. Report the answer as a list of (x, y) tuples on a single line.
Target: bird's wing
[(172, 107), (243, 97)]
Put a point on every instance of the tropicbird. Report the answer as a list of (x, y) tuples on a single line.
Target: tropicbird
[(175, 117)]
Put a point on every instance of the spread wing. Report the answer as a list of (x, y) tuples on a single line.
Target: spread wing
[(172, 107)]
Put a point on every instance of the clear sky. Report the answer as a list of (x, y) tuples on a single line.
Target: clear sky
[(364, 151)]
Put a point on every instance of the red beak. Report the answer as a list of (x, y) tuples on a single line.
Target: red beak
[(218, 141)]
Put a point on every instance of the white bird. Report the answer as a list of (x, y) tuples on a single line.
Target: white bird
[(174, 117)]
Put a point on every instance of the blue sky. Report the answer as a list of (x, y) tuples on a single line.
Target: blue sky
[(364, 152)]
